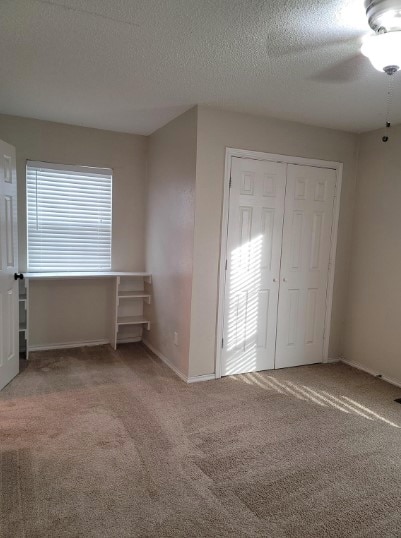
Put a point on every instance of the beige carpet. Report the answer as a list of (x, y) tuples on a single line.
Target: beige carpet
[(96, 443)]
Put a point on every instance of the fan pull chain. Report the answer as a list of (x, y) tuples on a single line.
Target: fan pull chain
[(388, 105)]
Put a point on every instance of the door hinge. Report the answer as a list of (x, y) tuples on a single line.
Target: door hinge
[(226, 266), (230, 183), (222, 342)]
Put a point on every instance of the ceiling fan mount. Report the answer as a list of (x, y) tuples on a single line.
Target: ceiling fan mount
[(384, 15)]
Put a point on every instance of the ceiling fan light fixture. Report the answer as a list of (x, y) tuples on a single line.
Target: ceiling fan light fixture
[(384, 14), (384, 51)]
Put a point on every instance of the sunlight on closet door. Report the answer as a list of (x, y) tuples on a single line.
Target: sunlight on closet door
[(256, 211)]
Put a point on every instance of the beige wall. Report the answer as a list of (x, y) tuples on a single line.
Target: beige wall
[(69, 312), (216, 131), (126, 154), (169, 237), (189, 152), (373, 329)]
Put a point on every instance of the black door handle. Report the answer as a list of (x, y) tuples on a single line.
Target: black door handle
[(18, 276)]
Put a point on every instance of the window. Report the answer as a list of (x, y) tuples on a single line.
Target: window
[(68, 217)]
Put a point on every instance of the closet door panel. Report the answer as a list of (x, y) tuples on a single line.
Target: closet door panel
[(256, 210), (306, 247)]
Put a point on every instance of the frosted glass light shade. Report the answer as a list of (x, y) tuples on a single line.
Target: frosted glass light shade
[(383, 50)]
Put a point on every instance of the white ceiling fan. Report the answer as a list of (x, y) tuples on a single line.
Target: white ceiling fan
[(349, 59), (384, 14), (384, 47)]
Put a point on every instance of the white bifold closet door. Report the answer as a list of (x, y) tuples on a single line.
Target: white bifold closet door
[(253, 265), (278, 248), (305, 258)]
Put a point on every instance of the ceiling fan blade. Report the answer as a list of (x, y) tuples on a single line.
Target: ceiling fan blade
[(349, 70), (280, 49)]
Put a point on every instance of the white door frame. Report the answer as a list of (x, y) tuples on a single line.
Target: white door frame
[(261, 156)]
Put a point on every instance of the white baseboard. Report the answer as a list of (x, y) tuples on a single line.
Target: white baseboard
[(197, 378), (359, 366), (68, 345), (166, 361)]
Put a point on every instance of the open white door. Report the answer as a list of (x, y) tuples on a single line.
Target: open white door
[(9, 313)]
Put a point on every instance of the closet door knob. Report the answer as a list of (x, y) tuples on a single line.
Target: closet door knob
[(284, 279), (274, 279), (18, 276)]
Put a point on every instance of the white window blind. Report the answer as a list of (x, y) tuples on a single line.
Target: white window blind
[(69, 211)]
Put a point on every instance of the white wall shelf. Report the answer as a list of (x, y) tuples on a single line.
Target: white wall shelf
[(130, 297), (23, 296), (134, 295), (133, 320)]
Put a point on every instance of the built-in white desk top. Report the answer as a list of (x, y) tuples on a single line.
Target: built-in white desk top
[(85, 274), (127, 294)]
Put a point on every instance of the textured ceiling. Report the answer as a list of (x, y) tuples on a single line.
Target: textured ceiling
[(132, 65)]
